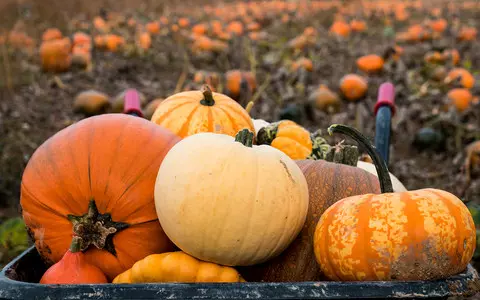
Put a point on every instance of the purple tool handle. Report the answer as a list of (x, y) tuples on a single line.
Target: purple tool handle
[(386, 97), (132, 103)]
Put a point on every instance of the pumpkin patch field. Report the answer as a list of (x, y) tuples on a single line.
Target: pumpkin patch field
[(249, 155)]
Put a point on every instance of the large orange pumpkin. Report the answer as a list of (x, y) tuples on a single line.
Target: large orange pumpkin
[(95, 179), (192, 112), (414, 235)]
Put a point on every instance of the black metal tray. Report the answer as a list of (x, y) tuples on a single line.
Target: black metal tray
[(19, 280)]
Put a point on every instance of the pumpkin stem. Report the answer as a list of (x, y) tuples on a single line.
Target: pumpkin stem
[(207, 96), (245, 137), (380, 165), (267, 134), (76, 244), (94, 228), (249, 106)]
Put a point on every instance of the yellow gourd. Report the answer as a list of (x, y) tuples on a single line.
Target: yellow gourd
[(176, 267)]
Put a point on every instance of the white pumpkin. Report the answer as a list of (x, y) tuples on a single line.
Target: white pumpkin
[(223, 202), (259, 124), (370, 168)]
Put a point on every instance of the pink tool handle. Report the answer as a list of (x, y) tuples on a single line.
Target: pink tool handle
[(386, 96), (132, 103)]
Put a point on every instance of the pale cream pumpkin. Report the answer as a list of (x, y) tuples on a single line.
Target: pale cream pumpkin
[(222, 200), (370, 168)]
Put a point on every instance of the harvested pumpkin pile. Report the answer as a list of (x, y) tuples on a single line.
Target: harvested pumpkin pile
[(234, 142)]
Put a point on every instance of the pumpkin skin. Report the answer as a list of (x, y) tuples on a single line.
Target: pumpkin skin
[(395, 236), (176, 267), (112, 160), (327, 183), (425, 234), (188, 113), (250, 205)]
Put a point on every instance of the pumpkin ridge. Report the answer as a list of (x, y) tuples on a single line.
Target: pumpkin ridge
[(166, 114), (455, 212), (41, 203), (139, 177), (210, 119), (257, 169), (238, 109), (115, 154), (328, 259), (416, 233), (132, 183), (54, 170), (230, 118), (185, 125), (72, 155), (362, 246)]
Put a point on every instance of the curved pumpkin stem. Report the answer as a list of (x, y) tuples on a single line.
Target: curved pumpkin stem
[(207, 96), (380, 165), (245, 137)]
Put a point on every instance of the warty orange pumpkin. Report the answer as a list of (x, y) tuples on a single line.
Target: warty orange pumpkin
[(415, 235), (191, 112), (95, 179)]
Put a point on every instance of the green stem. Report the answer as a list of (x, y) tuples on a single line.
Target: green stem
[(207, 96), (245, 137), (380, 165), (75, 246)]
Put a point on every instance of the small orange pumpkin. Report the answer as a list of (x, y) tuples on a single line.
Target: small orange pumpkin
[(304, 63), (370, 63), (325, 100), (235, 27), (52, 34), (460, 98), (340, 28), (467, 34), (353, 87), (358, 25), (465, 78), (192, 112), (55, 55), (153, 27), (234, 80)]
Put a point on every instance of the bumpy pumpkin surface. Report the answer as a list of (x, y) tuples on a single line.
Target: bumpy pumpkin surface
[(96, 179), (327, 183), (176, 267), (192, 112), (229, 202), (414, 235)]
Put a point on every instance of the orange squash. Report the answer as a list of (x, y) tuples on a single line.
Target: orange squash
[(414, 235), (358, 25), (95, 179), (192, 112), (325, 100), (353, 87), (153, 27)]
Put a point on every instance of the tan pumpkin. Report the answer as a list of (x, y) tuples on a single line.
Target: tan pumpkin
[(222, 200), (192, 112), (91, 102)]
